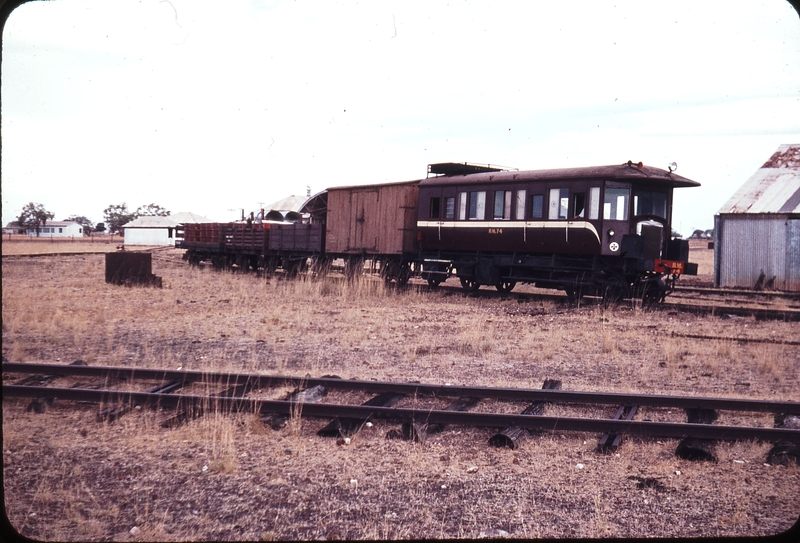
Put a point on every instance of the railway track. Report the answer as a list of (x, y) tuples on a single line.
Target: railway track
[(724, 303), (421, 409)]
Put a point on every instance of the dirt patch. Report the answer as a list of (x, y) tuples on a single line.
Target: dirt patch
[(67, 477)]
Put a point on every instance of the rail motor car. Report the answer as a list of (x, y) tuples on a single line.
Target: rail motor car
[(595, 230)]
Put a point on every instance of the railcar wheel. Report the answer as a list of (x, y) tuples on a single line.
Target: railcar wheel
[(434, 282), (506, 286), (614, 291), (470, 285)]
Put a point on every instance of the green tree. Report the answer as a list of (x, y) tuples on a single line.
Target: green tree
[(34, 216), (101, 227), (117, 216), (151, 210), (83, 221)]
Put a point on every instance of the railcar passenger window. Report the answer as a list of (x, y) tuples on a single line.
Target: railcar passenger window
[(580, 205), (537, 206), (434, 208), (521, 205), (477, 205), (559, 204), (615, 204), (502, 204), (450, 208), (462, 205), (594, 203)]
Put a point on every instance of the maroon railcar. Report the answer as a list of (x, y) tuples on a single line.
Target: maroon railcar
[(582, 230)]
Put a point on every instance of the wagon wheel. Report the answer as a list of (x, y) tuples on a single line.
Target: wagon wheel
[(270, 265), (293, 267), (403, 274), (470, 285), (434, 282), (389, 270), (353, 267), (505, 286), (320, 266), (614, 291)]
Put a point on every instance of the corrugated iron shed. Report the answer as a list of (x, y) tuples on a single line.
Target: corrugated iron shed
[(774, 188), (757, 232)]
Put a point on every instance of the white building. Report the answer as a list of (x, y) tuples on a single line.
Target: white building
[(757, 232), (152, 230), (58, 229)]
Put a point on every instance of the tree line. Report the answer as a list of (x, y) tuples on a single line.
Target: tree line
[(35, 216)]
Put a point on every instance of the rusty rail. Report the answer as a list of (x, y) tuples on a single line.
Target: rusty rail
[(410, 389), (399, 414)]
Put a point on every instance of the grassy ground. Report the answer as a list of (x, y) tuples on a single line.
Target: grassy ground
[(67, 477)]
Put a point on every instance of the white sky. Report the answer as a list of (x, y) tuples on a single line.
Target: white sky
[(212, 106)]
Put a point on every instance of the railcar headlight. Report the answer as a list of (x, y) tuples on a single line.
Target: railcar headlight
[(611, 233)]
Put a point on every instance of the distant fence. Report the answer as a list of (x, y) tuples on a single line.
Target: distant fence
[(99, 238)]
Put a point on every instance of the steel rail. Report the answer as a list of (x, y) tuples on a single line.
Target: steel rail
[(424, 416), (739, 339), (410, 389), (679, 289), (760, 313)]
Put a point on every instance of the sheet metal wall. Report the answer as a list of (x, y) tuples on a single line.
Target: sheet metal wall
[(746, 245)]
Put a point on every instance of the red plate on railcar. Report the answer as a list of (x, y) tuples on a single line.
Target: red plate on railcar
[(669, 266)]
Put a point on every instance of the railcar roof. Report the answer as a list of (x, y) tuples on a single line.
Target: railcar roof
[(622, 172), (374, 185)]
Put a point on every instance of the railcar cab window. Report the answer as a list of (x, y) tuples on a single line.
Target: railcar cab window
[(502, 204), (559, 204), (435, 208), (615, 204), (647, 202)]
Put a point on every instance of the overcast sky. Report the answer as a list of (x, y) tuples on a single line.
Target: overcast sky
[(217, 106)]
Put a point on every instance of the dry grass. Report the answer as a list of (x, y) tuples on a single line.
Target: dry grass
[(67, 477)]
